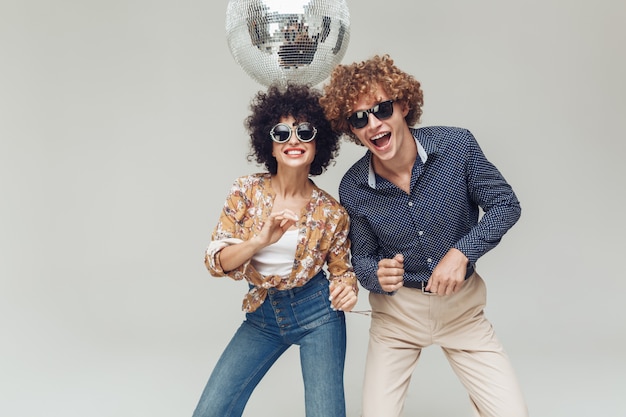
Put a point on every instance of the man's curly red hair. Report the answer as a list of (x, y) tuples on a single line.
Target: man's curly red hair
[(349, 83)]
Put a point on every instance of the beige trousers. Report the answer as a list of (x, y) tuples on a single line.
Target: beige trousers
[(408, 321)]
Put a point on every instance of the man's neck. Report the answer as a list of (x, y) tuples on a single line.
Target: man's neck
[(398, 169)]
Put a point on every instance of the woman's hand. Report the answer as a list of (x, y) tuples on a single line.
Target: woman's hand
[(342, 297), (275, 226)]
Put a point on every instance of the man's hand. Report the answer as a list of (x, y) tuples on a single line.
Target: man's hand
[(391, 273), (449, 275)]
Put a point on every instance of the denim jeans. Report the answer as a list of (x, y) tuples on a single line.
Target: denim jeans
[(301, 316)]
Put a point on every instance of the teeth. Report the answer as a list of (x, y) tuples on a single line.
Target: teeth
[(378, 136), (294, 152)]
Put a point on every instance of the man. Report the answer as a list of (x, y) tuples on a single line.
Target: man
[(414, 202)]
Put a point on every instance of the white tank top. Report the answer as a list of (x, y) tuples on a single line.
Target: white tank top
[(277, 259)]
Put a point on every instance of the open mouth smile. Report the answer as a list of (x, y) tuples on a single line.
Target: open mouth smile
[(381, 140)]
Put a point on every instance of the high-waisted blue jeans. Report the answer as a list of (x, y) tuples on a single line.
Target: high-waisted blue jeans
[(301, 316)]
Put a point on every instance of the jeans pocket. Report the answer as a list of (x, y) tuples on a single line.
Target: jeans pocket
[(312, 311), (257, 317)]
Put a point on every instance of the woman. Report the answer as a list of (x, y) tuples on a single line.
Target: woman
[(278, 230)]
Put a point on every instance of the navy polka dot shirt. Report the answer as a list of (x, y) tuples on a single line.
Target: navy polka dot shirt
[(451, 181)]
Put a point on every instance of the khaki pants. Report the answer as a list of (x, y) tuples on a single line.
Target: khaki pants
[(408, 321)]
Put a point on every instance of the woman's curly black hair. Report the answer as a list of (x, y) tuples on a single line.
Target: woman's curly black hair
[(302, 103)]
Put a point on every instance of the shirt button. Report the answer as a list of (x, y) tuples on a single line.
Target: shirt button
[(421, 232), (429, 260), (410, 204)]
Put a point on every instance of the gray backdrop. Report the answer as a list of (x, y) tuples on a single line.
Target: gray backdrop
[(121, 132)]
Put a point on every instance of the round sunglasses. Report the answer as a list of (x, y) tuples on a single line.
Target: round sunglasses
[(382, 111), (281, 133)]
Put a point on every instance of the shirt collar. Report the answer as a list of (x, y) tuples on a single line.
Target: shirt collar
[(371, 178)]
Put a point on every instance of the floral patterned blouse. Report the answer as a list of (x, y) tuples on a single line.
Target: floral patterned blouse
[(322, 238)]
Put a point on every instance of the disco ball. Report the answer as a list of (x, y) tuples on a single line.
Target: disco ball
[(288, 41)]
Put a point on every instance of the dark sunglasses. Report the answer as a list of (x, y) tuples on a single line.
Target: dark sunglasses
[(281, 133), (382, 111)]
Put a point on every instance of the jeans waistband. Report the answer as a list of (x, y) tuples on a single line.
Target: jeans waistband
[(316, 280)]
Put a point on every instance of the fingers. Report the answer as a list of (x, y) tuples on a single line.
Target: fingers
[(286, 223), (391, 285), (396, 262), (391, 273), (288, 214), (276, 225), (284, 215), (285, 218), (343, 297), (449, 275), (443, 286)]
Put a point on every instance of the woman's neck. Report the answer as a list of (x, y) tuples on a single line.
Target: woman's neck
[(292, 185)]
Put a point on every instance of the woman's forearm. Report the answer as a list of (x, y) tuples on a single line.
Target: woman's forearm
[(233, 256)]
